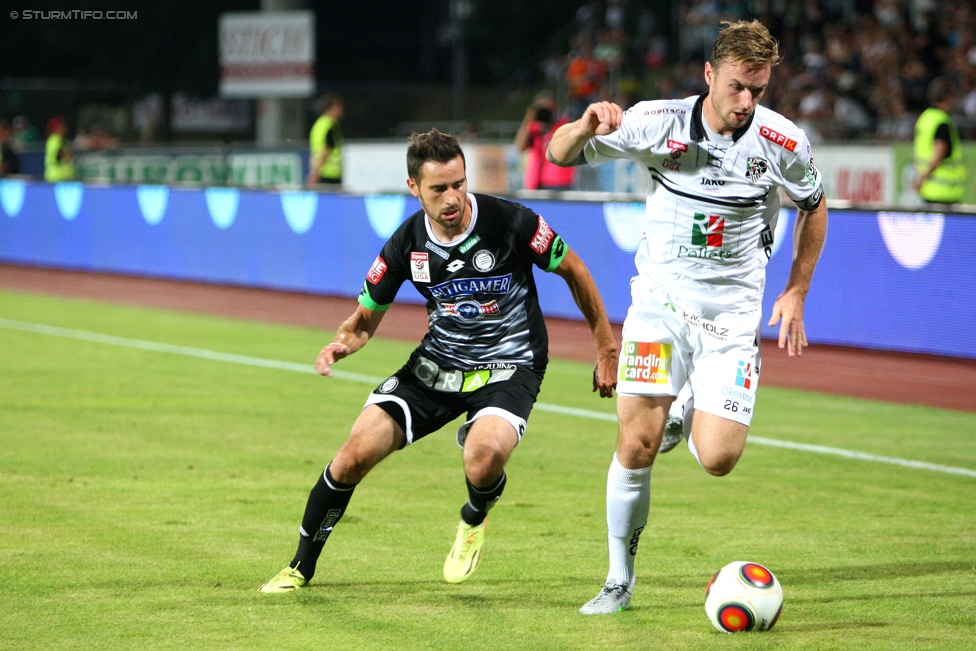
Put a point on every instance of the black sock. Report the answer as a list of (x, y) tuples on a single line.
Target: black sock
[(480, 500), (326, 504)]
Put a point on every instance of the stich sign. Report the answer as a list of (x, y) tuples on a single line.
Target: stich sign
[(267, 54)]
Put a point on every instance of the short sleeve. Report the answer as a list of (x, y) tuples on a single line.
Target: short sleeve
[(542, 244), (383, 279), (801, 178)]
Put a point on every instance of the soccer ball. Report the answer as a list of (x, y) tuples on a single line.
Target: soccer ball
[(743, 596)]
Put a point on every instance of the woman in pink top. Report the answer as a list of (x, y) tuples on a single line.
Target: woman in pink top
[(533, 138)]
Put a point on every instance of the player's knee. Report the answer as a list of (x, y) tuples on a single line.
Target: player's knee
[(718, 465), (483, 464)]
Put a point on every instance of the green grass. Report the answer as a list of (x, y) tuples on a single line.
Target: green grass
[(145, 496)]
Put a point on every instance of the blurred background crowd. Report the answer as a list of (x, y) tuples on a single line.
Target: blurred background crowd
[(851, 70)]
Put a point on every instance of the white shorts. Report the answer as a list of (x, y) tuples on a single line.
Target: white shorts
[(665, 346)]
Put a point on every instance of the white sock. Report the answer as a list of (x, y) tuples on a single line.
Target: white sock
[(694, 450), (628, 501)]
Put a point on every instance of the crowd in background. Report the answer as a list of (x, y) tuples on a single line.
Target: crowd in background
[(851, 68)]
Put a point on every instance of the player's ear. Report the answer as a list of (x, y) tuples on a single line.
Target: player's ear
[(414, 188)]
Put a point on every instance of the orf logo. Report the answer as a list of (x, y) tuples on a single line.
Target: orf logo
[(778, 138), (676, 148)]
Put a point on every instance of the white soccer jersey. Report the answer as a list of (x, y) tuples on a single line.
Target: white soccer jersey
[(713, 204)]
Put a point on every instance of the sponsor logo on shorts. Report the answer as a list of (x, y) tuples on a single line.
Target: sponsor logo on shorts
[(542, 238), (786, 143), (377, 271), (743, 375), (484, 260), (468, 286), (389, 385), (645, 362), (710, 328), (732, 392), (419, 267), (470, 310)]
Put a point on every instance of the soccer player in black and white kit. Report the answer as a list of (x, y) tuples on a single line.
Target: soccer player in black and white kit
[(471, 257), (717, 164)]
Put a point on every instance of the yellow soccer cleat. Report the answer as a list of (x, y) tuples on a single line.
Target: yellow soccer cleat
[(466, 553), (287, 580)]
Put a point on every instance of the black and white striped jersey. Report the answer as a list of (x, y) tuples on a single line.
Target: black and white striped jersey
[(714, 201), (482, 304)]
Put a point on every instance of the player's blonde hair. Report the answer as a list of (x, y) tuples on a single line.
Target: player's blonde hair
[(746, 42)]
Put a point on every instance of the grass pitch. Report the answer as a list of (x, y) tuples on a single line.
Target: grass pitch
[(145, 495)]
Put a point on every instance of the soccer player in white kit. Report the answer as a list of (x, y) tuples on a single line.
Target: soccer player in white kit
[(718, 162)]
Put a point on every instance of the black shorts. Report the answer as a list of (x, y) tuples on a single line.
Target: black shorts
[(423, 397)]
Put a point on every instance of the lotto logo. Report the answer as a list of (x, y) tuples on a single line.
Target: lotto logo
[(778, 138), (645, 362), (376, 272), (542, 238), (743, 375), (707, 230)]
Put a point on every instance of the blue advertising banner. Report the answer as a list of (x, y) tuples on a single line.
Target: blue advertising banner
[(888, 280)]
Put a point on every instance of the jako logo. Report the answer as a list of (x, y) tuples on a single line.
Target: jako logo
[(707, 230), (743, 375)]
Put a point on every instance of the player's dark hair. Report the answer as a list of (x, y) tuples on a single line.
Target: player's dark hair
[(432, 146), (745, 42)]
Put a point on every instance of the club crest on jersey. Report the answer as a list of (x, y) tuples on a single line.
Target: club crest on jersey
[(484, 260), (676, 148), (376, 272), (786, 143), (542, 238), (419, 267), (755, 168), (470, 310)]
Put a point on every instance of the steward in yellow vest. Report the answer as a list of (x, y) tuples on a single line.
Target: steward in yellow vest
[(938, 149), (325, 144)]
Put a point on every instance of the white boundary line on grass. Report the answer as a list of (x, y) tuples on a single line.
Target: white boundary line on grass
[(38, 328)]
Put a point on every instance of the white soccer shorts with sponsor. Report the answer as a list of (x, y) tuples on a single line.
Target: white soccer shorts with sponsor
[(665, 345)]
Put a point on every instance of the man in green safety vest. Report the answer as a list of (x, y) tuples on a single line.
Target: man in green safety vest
[(325, 143), (938, 150), (58, 165)]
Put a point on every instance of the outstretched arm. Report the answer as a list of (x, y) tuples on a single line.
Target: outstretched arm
[(587, 298), (350, 337), (567, 142), (809, 233)]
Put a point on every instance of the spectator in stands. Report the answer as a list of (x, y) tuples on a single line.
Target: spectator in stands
[(938, 149), (325, 143), (58, 160), (586, 77), (9, 160), (24, 132), (533, 136)]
